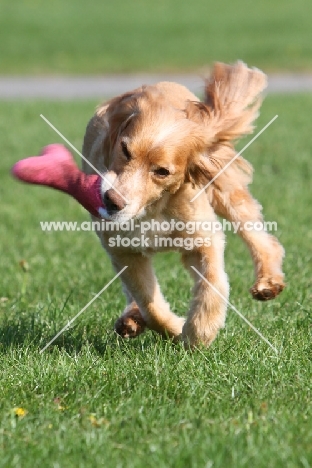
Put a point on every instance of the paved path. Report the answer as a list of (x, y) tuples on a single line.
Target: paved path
[(100, 87)]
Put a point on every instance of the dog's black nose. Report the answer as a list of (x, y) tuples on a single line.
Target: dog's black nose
[(113, 201)]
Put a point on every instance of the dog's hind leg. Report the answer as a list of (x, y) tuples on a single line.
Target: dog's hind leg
[(149, 307), (210, 294), (239, 207)]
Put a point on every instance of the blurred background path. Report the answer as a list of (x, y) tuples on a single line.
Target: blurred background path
[(101, 87)]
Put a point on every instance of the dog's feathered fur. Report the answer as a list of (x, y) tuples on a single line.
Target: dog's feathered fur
[(158, 146)]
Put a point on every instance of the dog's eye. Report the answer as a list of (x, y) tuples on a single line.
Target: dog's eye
[(125, 150), (162, 172)]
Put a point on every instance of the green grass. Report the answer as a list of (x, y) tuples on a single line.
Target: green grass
[(93, 400), (143, 35)]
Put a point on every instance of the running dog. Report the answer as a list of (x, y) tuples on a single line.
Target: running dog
[(166, 155)]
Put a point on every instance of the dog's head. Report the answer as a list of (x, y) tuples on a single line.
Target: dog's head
[(154, 144), (149, 149)]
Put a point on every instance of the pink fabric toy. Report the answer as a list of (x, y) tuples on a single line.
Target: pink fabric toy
[(56, 168)]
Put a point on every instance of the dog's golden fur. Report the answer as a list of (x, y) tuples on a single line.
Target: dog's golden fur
[(158, 146)]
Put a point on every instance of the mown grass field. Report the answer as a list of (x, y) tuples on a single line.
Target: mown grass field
[(39, 37), (92, 400)]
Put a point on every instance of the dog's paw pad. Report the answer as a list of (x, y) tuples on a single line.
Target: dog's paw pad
[(266, 289), (131, 324)]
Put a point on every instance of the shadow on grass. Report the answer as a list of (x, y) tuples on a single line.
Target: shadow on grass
[(29, 332)]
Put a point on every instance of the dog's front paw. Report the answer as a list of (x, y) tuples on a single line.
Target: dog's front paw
[(131, 323), (267, 288), (193, 336)]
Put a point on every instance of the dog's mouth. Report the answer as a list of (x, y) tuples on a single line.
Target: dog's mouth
[(104, 213), (117, 208), (120, 216), (111, 214)]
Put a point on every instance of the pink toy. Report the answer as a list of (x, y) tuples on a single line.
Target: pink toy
[(56, 168)]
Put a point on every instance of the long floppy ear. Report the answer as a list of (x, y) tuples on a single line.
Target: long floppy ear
[(220, 165), (232, 101)]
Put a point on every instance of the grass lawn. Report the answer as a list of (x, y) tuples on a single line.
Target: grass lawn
[(92, 400), (143, 35)]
